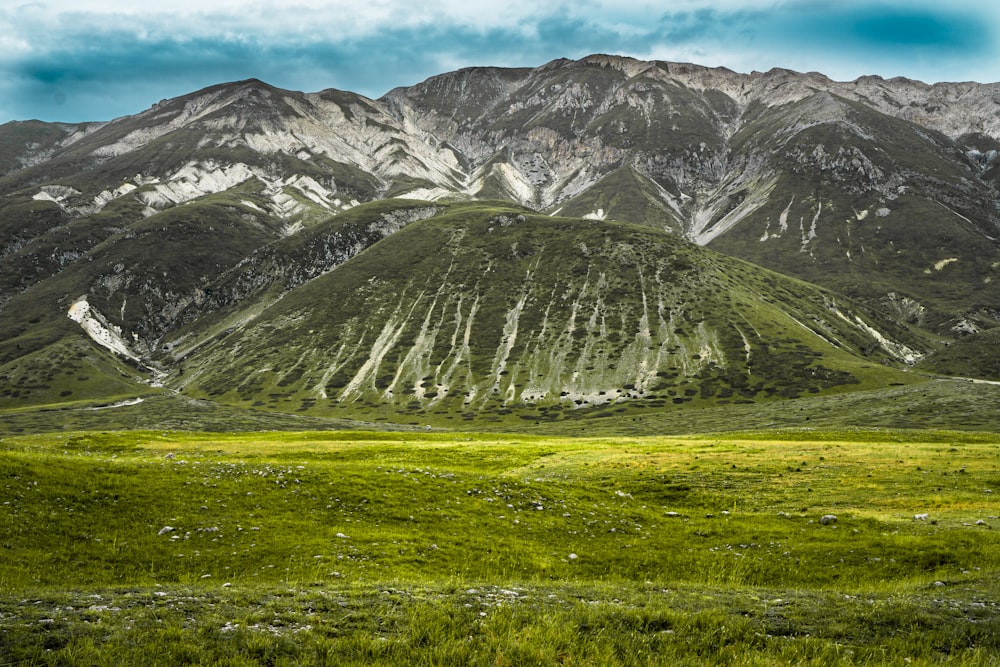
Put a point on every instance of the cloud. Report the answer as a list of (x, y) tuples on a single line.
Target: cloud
[(885, 27), (96, 59), (842, 39), (892, 28)]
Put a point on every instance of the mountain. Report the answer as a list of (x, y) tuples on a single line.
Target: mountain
[(831, 182), (537, 243)]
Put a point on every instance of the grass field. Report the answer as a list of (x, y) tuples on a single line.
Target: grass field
[(930, 404), (426, 548)]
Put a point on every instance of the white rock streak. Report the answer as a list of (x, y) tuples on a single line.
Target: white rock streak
[(99, 329), (120, 404), (386, 340), (507, 341), (898, 350)]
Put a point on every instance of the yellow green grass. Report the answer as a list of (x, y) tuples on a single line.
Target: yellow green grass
[(428, 548)]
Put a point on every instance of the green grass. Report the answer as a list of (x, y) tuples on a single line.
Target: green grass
[(972, 356), (428, 548), (624, 194), (931, 404)]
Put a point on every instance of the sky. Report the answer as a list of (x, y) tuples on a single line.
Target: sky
[(87, 60)]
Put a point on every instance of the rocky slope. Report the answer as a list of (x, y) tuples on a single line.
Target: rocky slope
[(832, 182)]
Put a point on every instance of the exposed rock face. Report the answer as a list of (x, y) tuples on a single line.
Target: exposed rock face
[(551, 123)]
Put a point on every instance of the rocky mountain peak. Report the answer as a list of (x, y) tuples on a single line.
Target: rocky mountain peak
[(629, 66)]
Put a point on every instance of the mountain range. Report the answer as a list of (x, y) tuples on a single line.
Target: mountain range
[(600, 236)]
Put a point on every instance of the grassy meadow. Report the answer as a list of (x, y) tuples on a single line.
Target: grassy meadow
[(427, 548)]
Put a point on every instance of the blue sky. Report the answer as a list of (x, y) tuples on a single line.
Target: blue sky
[(70, 61)]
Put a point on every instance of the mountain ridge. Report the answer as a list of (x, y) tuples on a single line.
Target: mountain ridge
[(175, 235)]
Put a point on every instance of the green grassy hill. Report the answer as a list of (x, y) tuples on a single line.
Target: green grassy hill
[(481, 311)]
